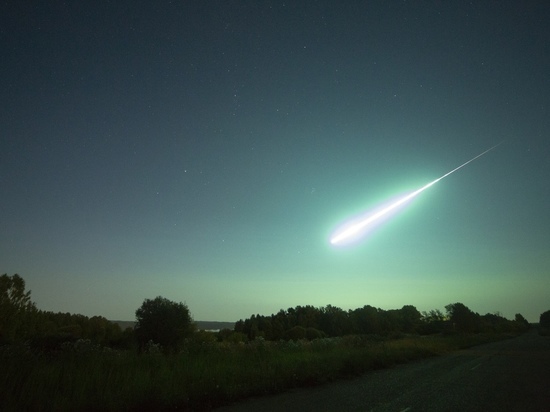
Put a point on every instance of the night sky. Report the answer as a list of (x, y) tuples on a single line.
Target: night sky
[(205, 151)]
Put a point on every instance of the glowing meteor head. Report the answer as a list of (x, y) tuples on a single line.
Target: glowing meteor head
[(348, 232), (357, 227)]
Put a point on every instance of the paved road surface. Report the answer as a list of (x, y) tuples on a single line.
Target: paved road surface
[(510, 375)]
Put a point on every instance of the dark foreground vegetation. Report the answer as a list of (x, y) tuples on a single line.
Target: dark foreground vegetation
[(83, 376), (71, 362)]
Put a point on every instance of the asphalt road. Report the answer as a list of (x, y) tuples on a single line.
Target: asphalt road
[(510, 375)]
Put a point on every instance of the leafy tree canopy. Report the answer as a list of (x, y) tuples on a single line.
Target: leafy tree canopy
[(544, 320), (16, 308), (12, 293), (463, 318), (164, 322)]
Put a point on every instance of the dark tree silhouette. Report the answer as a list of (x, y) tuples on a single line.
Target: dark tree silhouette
[(544, 320), (463, 319), (164, 322), (331, 321), (521, 321), (433, 321), (409, 319), (366, 319), (334, 321), (16, 309)]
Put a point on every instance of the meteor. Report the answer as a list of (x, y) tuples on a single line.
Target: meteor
[(356, 228)]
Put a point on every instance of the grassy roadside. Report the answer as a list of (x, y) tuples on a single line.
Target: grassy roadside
[(88, 377)]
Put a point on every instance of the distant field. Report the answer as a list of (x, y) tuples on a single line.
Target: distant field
[(124, 324), (203, 325)]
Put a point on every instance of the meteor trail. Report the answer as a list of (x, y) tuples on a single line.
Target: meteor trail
[(356, 228)]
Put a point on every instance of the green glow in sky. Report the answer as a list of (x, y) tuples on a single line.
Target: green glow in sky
[(354, 229)]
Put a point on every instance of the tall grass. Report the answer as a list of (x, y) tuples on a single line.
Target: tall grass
[(87, 377)]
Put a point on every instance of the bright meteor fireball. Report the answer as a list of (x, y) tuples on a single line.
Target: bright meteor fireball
[(356, 228)]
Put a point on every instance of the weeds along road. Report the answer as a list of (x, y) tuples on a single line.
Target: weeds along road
[(510, 375)]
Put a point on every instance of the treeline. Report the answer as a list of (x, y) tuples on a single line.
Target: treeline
[(166, 325), (309, 322), (21, 321), (161, 325)]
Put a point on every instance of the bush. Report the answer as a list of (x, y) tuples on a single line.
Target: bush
[(312, 333), (295, 333)]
